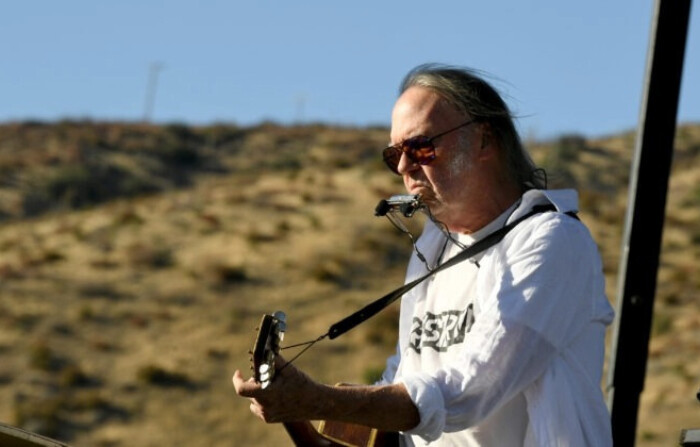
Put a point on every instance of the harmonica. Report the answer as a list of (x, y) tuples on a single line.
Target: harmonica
[(406, 204)]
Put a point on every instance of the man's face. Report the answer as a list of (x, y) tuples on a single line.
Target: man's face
[(447, 184)]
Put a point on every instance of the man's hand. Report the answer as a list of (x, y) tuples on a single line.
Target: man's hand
[(290, 397), (294, 396)]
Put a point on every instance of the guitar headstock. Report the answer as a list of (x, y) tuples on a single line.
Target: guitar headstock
[(267, 344)]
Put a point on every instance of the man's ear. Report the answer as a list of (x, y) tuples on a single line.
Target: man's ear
[(489, 144), (486, 135)]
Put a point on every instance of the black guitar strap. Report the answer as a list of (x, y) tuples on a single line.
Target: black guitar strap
[(374, 307)]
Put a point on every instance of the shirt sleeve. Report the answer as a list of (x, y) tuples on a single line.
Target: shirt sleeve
[(459, 396), (534, 298), (392, 364)]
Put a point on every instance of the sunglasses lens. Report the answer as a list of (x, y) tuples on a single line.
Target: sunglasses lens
[(419, 150), (392, 156)]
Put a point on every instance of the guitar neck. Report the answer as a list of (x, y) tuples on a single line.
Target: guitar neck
[(330, 433)]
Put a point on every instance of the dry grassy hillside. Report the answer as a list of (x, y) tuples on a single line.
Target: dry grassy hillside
[(135, 261)]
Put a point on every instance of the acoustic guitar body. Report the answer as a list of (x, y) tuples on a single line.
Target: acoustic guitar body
[(339, 434)]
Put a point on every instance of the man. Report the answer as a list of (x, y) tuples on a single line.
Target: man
[(505, 349)]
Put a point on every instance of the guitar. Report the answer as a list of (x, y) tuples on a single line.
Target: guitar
[(329, 433), (11, 436)]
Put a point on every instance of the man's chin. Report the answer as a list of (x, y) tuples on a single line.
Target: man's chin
[(435, 208)]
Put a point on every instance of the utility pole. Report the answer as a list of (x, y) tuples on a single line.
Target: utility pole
[(153, 71), (300, 102), (645, 216)]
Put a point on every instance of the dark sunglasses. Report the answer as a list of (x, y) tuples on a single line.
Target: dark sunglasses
[(419, 149)]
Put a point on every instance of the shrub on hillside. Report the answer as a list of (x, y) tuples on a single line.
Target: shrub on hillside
[(81, 185)]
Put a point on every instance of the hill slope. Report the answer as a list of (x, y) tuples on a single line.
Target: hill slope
[(136, 260)]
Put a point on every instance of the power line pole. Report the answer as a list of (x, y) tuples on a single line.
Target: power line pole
[(645, 216), (151, 86)]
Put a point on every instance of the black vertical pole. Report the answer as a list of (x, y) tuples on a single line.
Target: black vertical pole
[(645, 215)]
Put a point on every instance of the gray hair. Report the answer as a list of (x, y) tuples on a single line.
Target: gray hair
[(469, 93)]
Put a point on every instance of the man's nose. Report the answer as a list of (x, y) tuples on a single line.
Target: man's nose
[(406, 164)]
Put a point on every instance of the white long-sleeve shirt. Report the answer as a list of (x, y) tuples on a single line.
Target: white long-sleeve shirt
[(507, 349)]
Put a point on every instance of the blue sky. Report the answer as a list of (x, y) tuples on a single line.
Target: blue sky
[(563, 66)]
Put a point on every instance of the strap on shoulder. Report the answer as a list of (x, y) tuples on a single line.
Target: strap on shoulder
[(374, 307)]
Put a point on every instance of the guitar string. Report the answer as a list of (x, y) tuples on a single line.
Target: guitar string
[(307, 344)]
